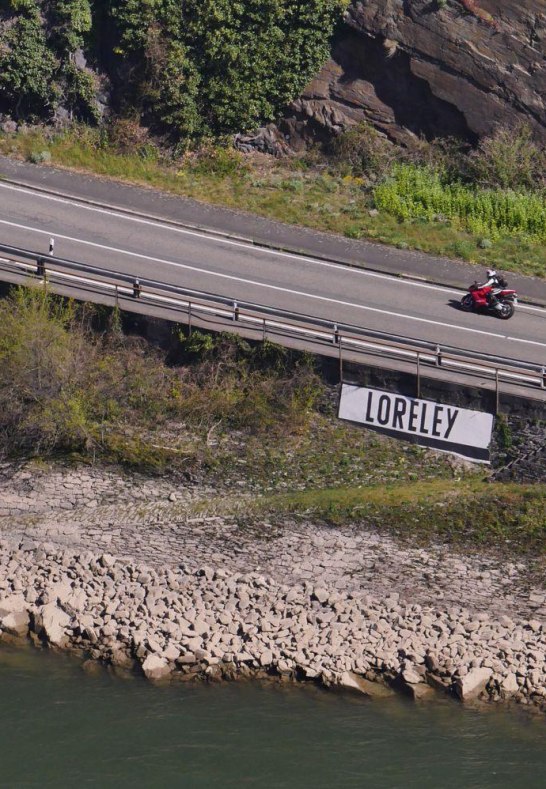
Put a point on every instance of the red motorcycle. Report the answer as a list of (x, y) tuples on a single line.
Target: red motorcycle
[(500, 301)]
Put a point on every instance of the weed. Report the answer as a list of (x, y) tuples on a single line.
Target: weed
[(413, 192), (504, 434)]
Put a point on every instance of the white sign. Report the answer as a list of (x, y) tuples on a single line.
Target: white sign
[(446, 427)]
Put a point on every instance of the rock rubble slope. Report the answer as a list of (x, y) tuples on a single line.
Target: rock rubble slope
[(121, 569)]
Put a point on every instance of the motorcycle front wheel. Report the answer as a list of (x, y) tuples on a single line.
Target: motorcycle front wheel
[(506, 311), (467, 303)]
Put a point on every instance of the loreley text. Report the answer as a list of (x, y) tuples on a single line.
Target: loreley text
[(446, 427)]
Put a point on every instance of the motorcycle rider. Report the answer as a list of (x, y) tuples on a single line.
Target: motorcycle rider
[(493, 281)]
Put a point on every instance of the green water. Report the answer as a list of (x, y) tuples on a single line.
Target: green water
[(60, 727)]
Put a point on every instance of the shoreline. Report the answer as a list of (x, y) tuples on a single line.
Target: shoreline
[(118, 569), (178, 623)]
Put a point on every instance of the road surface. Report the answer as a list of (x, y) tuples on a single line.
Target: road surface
[(199, 260)]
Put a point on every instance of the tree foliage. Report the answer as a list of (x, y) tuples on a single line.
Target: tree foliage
[(67, 387), (37, 42), (218, 66), (27, 66), (194, 67)]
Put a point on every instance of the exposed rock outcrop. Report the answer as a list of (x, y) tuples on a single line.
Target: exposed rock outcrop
[(423, 67)]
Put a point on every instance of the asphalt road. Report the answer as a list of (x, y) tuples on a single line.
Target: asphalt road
[(235, 269)]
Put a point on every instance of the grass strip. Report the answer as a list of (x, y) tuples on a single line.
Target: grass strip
[(469, 512)]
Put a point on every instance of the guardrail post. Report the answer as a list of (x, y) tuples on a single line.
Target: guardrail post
[(40, 268), (235, 311), (340, 343), (497, 393), (336, 335), (137, 289), (189, 318), (418, 394), (438, 356), (263, 330), (543, 379)]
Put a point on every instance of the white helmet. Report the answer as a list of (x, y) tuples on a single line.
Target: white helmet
[(491, 273)]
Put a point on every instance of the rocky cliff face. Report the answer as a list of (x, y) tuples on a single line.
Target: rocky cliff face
[(430, 67)]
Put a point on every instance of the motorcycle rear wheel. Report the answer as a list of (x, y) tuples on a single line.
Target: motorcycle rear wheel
[(507, 310)]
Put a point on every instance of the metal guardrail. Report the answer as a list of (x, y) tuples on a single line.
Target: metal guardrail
[(267, 321)]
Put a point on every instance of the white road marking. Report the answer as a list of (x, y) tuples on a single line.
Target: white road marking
[(231, 242), (242, 280)]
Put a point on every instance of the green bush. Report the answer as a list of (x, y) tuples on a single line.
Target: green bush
[(36, 64), (79, 93), (507, 159), (413, 192), (39, 157), (27, 67), (363, 151), (215, 66), (218, 160)]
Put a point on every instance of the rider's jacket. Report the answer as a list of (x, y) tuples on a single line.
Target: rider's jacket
[(492, 282)]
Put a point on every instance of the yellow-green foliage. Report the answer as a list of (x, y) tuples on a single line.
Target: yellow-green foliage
[(452, 511), (418, 192), (65, 387)]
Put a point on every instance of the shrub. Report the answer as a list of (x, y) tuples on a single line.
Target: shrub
[(41, 363), (508, 159), (80, 93), (38, 157), (63, 387), (126, 134), (205, 67), (419, 192), (363, 151), (217, 160), (27, 67)]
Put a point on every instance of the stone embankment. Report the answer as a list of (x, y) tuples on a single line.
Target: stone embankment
[(122, 570)]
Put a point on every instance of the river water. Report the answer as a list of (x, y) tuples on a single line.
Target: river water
[(61, 727)]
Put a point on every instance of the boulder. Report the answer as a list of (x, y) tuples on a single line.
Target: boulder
[(121, 658), (437, 682), (320, 594), (266, 658), (509, 685), (472, 684), (171, 653), (156, 668), (16, 623), (411, 676), (188, 659), (51, 623), (12, 603), (350, 681), (373, 689), (419, 691), (200, 627)]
